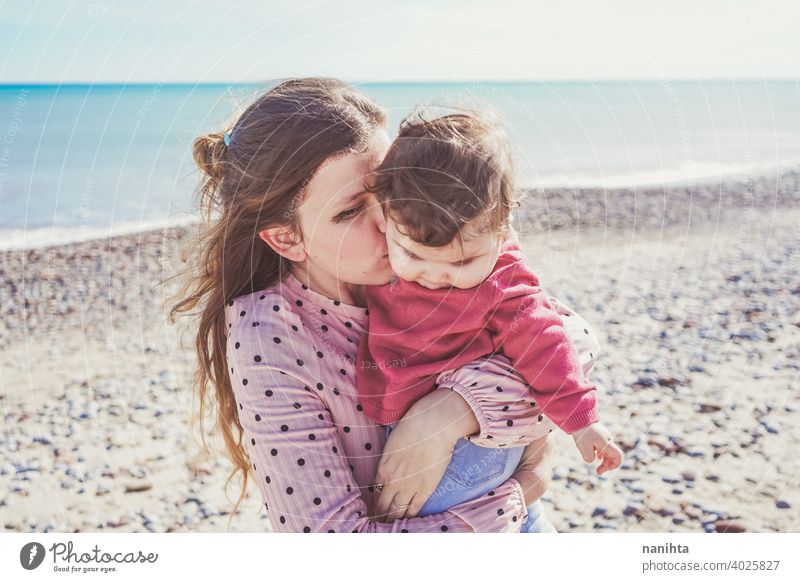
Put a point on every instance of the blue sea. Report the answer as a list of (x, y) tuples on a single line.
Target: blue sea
[(85, 161)]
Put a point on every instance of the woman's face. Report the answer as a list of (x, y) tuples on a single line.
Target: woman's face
[(342, 224)]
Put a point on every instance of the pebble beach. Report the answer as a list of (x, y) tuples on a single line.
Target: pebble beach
[(694, 292)]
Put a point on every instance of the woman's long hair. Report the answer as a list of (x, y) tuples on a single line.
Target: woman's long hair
[(254, 182)]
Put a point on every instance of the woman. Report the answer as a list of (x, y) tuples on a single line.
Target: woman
[(280, 286)]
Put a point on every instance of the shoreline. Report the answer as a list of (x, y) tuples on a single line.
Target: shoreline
[(549, 208)]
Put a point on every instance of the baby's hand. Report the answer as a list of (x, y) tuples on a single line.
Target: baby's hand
[(595, 438)]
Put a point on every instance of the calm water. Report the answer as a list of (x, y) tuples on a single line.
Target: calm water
[(82, 161)]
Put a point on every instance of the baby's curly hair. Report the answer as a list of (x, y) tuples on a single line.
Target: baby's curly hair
[(442, 172)]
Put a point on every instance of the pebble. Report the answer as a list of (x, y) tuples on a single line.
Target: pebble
[(691, 512), (706, 407), (632, 510), (771, 427), (123, 520), (134, 487), (725, 526), (783, 504), (647, 381), (667, 510)]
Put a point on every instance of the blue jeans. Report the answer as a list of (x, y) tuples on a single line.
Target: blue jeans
[(474, 471)]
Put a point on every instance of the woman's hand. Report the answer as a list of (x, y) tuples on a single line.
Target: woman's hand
[(535, 469), (418, 452)]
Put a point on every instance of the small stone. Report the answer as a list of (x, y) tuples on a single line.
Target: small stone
[(671, 381), (137, 487), (632, 510), (666, 511), (707, 407), (783, 504), (728, 526), (771, 428), (691, 512), (688, 475), (647, 380)]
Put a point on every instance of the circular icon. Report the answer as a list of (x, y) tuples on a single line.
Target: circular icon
[(31, 555)]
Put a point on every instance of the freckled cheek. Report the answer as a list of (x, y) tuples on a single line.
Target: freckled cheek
[(322, 245), (360, 243), (354, 249)]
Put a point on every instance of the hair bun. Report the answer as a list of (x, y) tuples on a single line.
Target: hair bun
[(208, 151)]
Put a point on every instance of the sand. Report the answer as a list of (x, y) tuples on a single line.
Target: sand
[(698, 312)]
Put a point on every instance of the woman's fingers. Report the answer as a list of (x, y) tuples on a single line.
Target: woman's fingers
[(385, 488), (397, 507), (382, 503), (416, 505), (391, 493)]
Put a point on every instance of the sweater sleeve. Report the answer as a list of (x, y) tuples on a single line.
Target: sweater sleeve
[(501, 399), (303, 475), (532, 334)]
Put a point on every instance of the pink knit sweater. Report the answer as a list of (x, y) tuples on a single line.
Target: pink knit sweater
[(291, 353), (416, 333)]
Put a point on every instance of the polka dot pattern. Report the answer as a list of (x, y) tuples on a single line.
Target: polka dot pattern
[(313, 450)]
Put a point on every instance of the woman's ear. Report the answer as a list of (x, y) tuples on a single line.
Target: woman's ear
[(284, 241)]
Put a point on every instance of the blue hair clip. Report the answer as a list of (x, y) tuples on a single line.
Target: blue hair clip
[(227, 138)]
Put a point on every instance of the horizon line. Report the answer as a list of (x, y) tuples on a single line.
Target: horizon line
[(399, 81)]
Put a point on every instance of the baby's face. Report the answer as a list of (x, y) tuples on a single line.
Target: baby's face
[(443, 267)]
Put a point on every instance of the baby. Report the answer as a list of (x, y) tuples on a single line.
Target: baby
[(462, 288)]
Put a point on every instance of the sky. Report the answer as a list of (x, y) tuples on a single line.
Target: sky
[(205, 41)]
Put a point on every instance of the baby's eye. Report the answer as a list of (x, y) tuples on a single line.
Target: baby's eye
[(411, 255), (464, 263)]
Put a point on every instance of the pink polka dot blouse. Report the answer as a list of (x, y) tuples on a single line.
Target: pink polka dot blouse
[(291, 353)]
